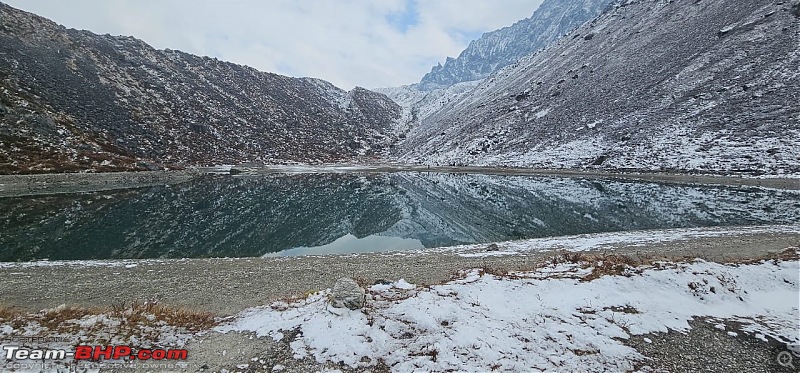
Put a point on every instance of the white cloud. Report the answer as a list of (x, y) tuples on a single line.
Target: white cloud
[(347, 42)]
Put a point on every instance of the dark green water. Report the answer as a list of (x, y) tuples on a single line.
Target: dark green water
[(218, 216)]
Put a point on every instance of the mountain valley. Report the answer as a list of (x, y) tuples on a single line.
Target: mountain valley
[(650, 85)]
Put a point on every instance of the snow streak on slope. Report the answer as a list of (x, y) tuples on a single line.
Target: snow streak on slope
[(418, 105)]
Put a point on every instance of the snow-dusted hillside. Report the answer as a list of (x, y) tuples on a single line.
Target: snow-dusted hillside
[(444, 85), (500, 48), (73, 100), (417, 105), (706, 86)]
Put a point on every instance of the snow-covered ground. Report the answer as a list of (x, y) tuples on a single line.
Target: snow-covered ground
[(572, 313), (64, 328), (550, 318)]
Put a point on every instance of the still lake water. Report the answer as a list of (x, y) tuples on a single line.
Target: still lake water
[(224, 216)]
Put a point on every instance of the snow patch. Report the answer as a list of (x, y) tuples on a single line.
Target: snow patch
[(543, 320)]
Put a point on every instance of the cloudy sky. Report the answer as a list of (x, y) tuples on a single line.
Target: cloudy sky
[(369, 43)]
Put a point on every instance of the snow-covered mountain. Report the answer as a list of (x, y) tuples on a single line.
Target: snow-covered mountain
[(444, 85), (73, 100), (708, 85), (502, 47)]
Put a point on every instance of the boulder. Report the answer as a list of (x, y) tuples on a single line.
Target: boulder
[(347, 294)]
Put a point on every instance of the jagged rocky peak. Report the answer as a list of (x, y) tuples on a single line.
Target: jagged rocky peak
[(74, 100), (706, 86), (499, 48), (446, 84)]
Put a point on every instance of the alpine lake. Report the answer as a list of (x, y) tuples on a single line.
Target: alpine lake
[(351, 212)]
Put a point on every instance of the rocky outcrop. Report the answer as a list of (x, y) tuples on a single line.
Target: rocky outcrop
[(74, 100)]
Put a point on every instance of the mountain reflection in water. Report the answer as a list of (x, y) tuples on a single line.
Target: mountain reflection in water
[(223, 216)]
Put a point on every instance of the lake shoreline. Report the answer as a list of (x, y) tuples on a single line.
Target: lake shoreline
[(48, 184), (62, 183), (230, 285), (766, 181), (233, 286)]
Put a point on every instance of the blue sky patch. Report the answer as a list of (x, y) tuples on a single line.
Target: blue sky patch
[(402, 21)]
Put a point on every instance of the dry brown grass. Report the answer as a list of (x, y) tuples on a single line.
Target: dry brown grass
[(57, 318), (455, 276), (495, 271), (610, 265), (285, 302), (790, 253), (12, 316), (627, 265), (601, 264), (138, 313), (133, 318), (9, 312), (569, 257)]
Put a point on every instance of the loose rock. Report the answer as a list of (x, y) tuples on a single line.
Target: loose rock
[(347, 294)]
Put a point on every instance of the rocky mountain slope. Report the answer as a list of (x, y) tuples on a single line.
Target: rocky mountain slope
[(502, 47), (707, 85), (445, 85), (417, 105), (74, 100)]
